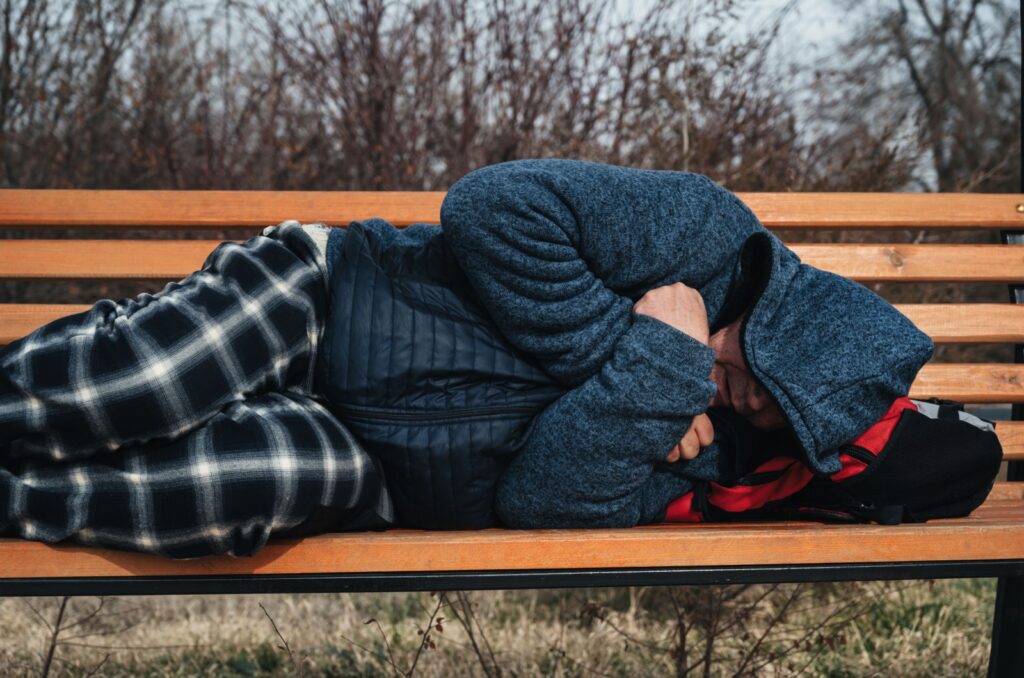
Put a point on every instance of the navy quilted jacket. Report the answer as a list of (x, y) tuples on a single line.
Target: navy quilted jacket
[(496, 366)]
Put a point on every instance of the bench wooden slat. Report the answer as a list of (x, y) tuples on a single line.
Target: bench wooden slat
[(968, 323), (972, 538), (917, 263), (18, 320), (971, 382), (219, 209), (1011, 437), (175, 259), (102, 259), (944, 323)]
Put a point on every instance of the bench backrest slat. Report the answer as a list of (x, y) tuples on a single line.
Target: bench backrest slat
[(126, 259), (945, 323), (220, 209)]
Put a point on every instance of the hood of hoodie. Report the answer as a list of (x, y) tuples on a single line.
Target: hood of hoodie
[(832, 353)]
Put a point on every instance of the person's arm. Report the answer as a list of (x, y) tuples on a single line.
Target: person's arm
[(590, 456), (557, 250)]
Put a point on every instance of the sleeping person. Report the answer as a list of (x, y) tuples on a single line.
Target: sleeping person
[(576, 344)]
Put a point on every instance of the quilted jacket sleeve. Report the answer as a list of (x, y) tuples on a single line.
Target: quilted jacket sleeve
[(558, 251)]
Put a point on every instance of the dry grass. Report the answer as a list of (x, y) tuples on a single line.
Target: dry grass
[(934, 628)]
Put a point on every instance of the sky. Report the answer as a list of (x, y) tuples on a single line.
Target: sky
[(815, 25)]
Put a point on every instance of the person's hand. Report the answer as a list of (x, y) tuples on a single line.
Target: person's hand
[(678, 305), (701, 434)]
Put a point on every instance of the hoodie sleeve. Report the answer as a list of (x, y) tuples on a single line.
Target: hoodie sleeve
[(595, 456), (558, 250)]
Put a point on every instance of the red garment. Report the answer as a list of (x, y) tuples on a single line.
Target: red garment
[(786, 475)]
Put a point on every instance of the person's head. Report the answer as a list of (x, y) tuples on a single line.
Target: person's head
[(738, 388)]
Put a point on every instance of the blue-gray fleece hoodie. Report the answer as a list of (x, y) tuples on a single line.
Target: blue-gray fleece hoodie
[(555, 252)]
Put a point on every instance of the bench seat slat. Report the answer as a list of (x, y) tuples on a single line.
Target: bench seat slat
[(973, 538), (220, 209), (175, 259)]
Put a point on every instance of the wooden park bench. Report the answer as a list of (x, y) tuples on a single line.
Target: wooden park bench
[(988, 543)]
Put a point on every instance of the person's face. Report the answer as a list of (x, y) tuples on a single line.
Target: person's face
[(738, 389)]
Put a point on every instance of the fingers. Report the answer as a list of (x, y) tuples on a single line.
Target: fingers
[(689, 446), (705, 430), (700, 434), (678, 305), (676, 454)]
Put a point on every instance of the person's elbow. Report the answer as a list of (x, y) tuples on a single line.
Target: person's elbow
[(496, 196)]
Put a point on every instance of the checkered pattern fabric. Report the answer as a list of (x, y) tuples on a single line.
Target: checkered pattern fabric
[(184, 423)]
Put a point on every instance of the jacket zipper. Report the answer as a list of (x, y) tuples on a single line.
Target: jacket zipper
[(367, 412)]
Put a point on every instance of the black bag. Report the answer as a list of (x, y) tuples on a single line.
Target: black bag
[(922, 460)]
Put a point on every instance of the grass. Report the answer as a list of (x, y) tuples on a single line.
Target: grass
[(933, 628)]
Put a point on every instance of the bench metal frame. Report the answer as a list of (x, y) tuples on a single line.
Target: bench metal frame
[(1006, 657), (479, 580)]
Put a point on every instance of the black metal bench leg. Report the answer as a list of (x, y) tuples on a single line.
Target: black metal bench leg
[(1007, 657)]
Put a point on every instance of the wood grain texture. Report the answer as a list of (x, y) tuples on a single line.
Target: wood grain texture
[(886, 210), (103, 259), (994, 531), (211, 209), (175, 259), (968, 323), (971, 382), (917, 263), (944, 323), (220, 209), (19, 320), (1011, 437)]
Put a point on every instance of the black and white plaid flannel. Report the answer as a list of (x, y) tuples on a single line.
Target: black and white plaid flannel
[(184, 423)]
